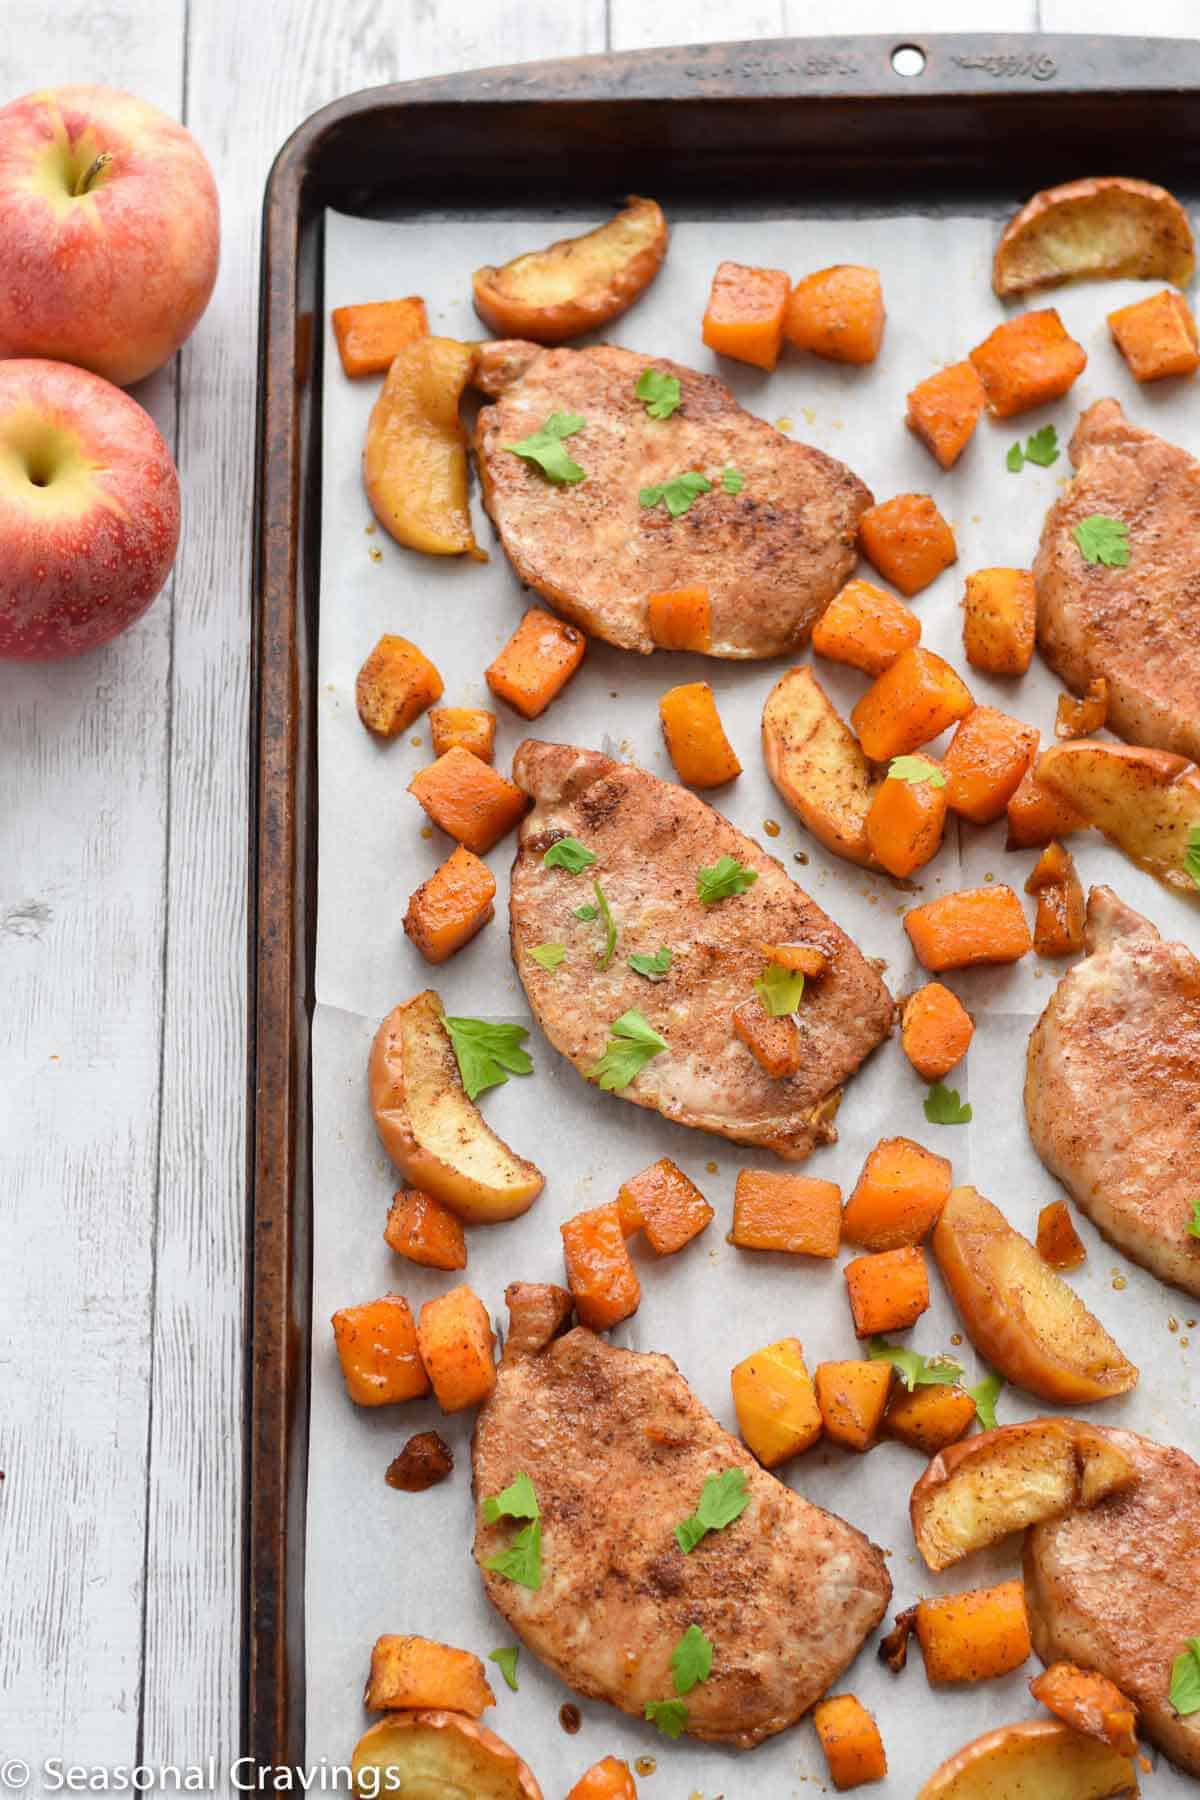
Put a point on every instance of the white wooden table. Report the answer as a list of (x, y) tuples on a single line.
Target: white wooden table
[(123, 819)]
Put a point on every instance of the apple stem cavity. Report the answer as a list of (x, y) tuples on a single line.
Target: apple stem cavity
[(92, 174)]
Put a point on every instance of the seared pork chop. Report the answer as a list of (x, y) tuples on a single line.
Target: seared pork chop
[(650, 838), (618, 1449), (1117, 1588), (1112, 1088), (771, 556), (1138, 626)]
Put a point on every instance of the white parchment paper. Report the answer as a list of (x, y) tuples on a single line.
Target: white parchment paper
[(382, 1561)]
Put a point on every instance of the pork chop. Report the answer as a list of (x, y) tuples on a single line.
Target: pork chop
[(618, 1449), (1117, 1588), (1112, 1088), (772, 556), (1138, 626), (650, 838)]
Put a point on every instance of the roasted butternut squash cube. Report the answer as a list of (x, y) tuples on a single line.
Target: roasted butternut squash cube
[(988, 755), (944, 409), (681, 619), (1089, 1703), (536, 663), (1058, 928), (887, 1292), (974, 1636), (904, 823), (422, 1229), (609, 1779), (696, 741), (600, 1274), (1083, 717), (908, 541), (377, 1346), (798, 1214), (469, 800), (930, 1417), (1058, 1242), (935, 1030), (370, 335), (850, 1739), (470, 728), (774, 1043), (837, 313), (1036, 814), (776, 1403), (1027, 361), (865, 626), (395, 684), (900, 1193), (664, 1205), (975, 925), (853, 1398), (412, 1673), (1000, 620), (744, 317), (909, 705), (458, 1348), (1157, 336), (447, 910)]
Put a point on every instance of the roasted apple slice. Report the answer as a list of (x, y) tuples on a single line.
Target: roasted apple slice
[(816, 762), (433, 1133), (1040, 1758), (1021, 1317), (976, 1492), (576, 284), (1147, 802), (415, 460), (1111, 226), (440, 1756)]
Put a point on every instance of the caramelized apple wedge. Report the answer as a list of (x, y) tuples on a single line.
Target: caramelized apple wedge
[(1146, 802), (816, 762), (1040, 1758), (439, 1753), (415, 459), (576, 284), (978, 1491), (1021, 1317), (1105, 226), (433, 1133)]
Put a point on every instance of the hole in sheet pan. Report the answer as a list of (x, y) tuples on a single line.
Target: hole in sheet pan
[(908, 60)]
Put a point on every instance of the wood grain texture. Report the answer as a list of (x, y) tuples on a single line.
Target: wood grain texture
[(83, 812)]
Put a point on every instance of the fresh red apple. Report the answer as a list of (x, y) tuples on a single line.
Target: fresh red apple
[(89, 510), (109, 231)]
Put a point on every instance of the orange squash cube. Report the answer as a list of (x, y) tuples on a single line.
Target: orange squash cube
[(1000, 620), (422, 1229), (974, 1636), (988, 755), (378, 1349), (930, 1417), (370, 335), (600, 1275), (680, 619), (908, 541), (696, 741), (888, 1291), (458, 1348), (899, 1196), (608, 1779), (773, 1043), (975, 925), (904, 824), (447, 910), (797, 1214), (853, 1398), (910, 704), (744, 318), (1157, 336), (1058, 928), (1036, 814), (664, 1205), (1058, 1242), (865, 626), (837, 313), (470, 728), (850, 1739), (536, 663), (776, 1403), (412, 1673), (944, 409), (394, 685), (468, 800), (1084, 717), (935, 1030), (1026, 362), (801, 959)]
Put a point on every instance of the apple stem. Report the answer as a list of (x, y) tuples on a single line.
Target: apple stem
[(88, 179)]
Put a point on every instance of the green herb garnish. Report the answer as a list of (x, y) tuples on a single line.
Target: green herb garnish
[(943, 1106), (723, 1498), (505, 1660), (733, 481), (1041, 447), (726, 877), (632, 1044), (1185, 1679), (547, 450), (1103, 540), (1191, 860), (605, 956), (522, 1561), (915, 770), (914, 1369), (660, 392), (487, 1054), (1014, 462), (671, 1716), (569, 854), (691, 1660), (1194, 1222), (779, 990), (586, 912), (549, 956), (516, 1501), (678, 493), (985, 1395), (652, 967)]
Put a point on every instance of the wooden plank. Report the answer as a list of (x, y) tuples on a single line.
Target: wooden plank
[(912, 17), (83, 772), (633, 25), (1153, 18), (254, 73)]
